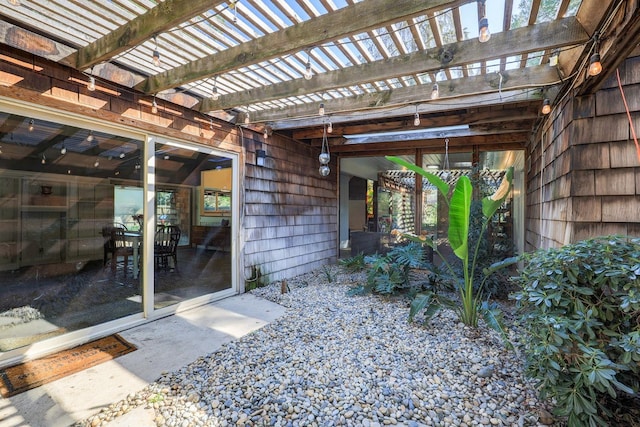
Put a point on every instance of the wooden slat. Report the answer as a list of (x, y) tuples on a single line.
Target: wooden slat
[(362, 16), (166, 15), (466, 87), (539, 37)]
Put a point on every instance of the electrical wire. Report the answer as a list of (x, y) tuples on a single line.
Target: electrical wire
[(626, 107)]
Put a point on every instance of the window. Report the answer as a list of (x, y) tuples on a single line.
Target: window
[(215, 201)]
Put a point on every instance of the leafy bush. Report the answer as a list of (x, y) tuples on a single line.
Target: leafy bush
[(580, 308), (391, 273), (354, 263)]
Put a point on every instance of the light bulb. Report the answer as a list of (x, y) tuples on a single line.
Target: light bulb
[(166, 157), (154, 106), (156, 58), (435, 92), (215, 95), (324, 158), (63, 150), (96, 163), (44, 159), (483, 30), (121, 155), (546, 107), (308, 74), (321, 109), (595, 67), (31, 125), (416, 120), (324, 170), (247, 119), (553, 59), (330, 128), (90, 136), (91, 86)]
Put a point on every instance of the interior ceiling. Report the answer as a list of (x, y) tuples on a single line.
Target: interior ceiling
[(374, 63)]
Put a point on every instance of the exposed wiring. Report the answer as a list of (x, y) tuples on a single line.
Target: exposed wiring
[(626, 107)]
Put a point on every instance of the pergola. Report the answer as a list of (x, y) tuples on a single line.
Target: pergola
[(374, 66)]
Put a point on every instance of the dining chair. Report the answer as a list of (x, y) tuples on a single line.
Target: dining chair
[(166, 245), (120, 248), (108, 243)]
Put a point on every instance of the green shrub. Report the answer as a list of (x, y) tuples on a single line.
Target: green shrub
[(580, 308), (391, 273)]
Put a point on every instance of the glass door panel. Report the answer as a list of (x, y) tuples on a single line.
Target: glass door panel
[(59, 268), (192, 245)]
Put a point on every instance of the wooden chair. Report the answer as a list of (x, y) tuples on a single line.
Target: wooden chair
[(166, 246), (108, 244), (120, 248)]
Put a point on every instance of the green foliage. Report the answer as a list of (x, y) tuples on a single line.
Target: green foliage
[(327, 273), (353, 264), (580, 308), (391, 273), (257, 279), (459, 224)]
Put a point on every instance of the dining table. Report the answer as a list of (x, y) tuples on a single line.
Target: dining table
[(135, 238)]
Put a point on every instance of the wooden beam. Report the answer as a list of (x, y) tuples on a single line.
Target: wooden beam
[(433, 149), (358, 17), (161, 18), (620, 42), (548, 35), (477, 117), (450, 90)]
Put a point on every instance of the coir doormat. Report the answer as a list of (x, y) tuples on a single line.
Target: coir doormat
[(34, 373)]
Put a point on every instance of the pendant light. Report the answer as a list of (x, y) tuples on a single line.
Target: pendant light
[(546, 106), (215, 95), (483, 25), (155, 58), (416, 118), (325, 156)]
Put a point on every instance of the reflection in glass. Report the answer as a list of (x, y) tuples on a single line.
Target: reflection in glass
[(64, 265), (192, 245)]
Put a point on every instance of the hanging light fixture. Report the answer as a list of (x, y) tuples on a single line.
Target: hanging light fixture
[(91, 86), (154, 105), (155, 59), (63, 150), (321, 109), (90, 136), (325, 157), (96, 163), (31, 125), (416, 119), (44, 159), (247, 118), (435, 92), (308, 73), (546, 106), (121, 154), (446, 173), (483, 25), (595, 66), (329, 128), (215, 95)]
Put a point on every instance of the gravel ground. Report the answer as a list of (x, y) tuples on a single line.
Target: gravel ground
[(340, 360)]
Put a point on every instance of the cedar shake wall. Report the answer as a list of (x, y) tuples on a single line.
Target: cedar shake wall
[(290, 212), (288, 219), (583, 173)]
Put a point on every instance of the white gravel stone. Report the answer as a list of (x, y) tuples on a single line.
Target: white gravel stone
[(334, 360)]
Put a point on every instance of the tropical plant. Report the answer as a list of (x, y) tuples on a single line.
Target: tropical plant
[(459, 206), (391, 273), (580, 308)]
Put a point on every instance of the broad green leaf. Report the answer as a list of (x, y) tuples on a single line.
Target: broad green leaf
[(493, 319), (490, 204), (442, 186), (418, 304), (459, 211)]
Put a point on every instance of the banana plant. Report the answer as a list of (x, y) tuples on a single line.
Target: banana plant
[(459, 207)]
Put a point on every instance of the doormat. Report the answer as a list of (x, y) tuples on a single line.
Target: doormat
[(34, 373)]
